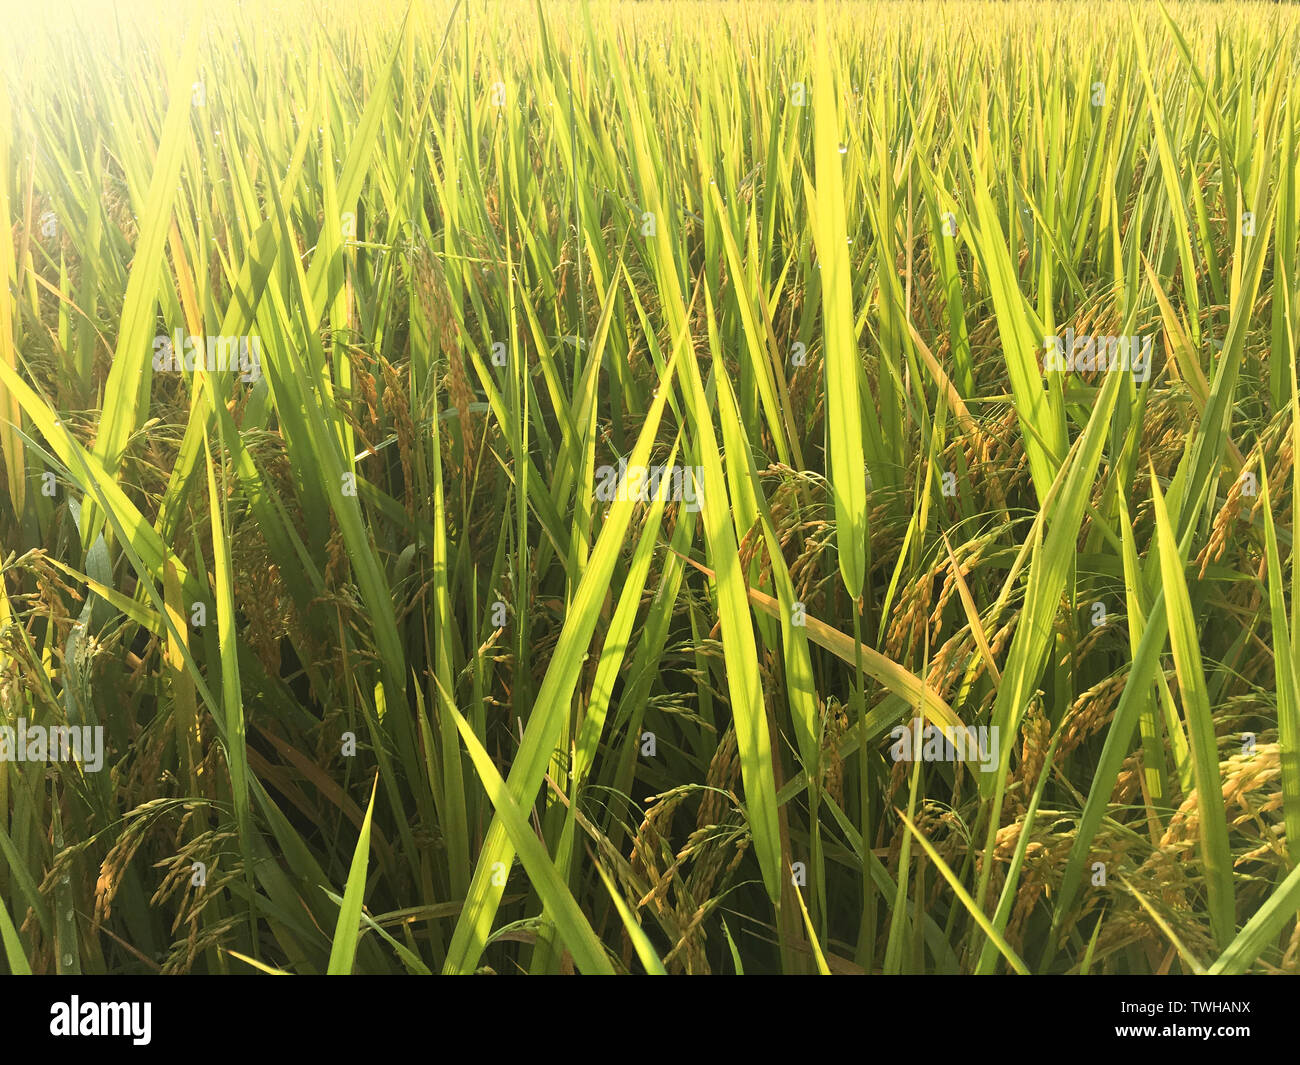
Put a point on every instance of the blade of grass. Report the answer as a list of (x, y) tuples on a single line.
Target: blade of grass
[(343, 951)]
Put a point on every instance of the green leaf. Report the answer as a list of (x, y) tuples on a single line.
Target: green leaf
[(1184, 640), (574, 929), (348, 930)]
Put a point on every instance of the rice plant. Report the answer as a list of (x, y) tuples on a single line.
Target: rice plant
[(681, 487)]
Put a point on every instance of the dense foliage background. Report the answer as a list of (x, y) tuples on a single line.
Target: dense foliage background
[(387, 685)]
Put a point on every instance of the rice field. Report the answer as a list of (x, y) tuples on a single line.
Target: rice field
[(680, 487)]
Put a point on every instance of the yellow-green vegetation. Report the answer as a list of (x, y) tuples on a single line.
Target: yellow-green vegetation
[(395, 674)]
